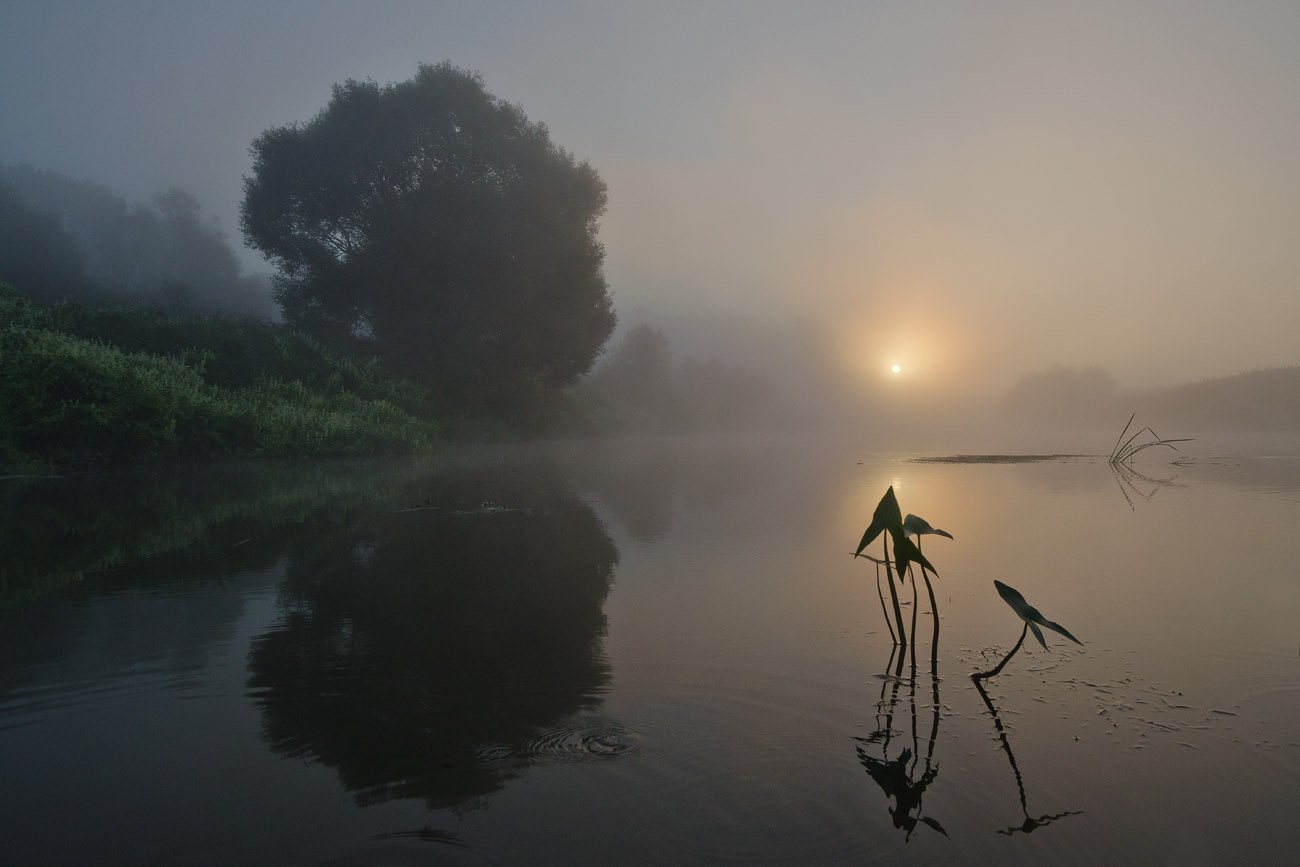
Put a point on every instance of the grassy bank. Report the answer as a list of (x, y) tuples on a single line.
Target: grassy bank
[(81, 386)]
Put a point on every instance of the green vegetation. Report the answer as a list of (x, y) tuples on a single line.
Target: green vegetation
[(81, 386)]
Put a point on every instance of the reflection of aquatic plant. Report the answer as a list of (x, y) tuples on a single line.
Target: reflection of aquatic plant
[(889, 517), (898, 777), (1135, 484), (1031, 823), (1033, 619), (1126, 449)]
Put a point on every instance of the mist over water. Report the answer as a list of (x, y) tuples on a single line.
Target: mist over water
[(660, 302), (812, 194)]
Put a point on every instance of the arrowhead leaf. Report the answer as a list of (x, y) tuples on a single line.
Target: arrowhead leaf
[(905, 552), (887, 512), (886, 517), (1030, 614), (1012, 597), (934, 823), (869, 536), (1059, 628), (915, 525)]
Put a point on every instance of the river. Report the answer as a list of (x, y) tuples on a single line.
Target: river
[(655, 651)]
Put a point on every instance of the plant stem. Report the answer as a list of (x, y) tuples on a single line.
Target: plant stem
[(883, 610), (1005, 659), (893, 593), (914, 607), (934, 612)]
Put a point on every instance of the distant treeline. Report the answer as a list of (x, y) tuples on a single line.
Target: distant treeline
[(437, 269), (67, 239), (84, 386), (1259, 400), (640, 386)]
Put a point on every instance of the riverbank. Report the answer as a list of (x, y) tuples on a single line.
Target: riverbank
[(87, 387)]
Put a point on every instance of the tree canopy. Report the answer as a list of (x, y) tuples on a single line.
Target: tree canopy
[(436, 221)]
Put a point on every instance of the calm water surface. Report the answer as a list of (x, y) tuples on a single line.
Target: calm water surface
[(655, 652)]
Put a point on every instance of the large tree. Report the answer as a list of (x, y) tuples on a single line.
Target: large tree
[(438, 222)]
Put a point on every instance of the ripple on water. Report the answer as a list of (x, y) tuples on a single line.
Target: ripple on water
[(578, 740)]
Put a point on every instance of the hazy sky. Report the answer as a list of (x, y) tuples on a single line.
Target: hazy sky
[(971, 189)]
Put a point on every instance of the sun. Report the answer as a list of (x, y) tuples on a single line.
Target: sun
[(896, 369)]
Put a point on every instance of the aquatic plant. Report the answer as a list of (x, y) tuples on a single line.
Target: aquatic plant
[(914, 525), (1126, 449), (889, 517), (1033, 620)]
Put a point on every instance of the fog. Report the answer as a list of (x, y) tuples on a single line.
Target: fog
[(974, 192)]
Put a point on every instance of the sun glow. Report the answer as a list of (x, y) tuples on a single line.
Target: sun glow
[(896, 369)]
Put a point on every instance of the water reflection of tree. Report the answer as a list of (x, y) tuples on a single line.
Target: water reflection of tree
[(417, 650), (642, 481), (902, 778)]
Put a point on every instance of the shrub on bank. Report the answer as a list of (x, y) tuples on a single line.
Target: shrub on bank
[(72, 399)]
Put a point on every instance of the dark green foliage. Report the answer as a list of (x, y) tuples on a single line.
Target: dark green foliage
[(68, 396), (438, 223), (233, 352), (75, 400)]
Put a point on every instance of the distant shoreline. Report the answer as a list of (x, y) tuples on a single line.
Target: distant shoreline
[(997, 459)]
